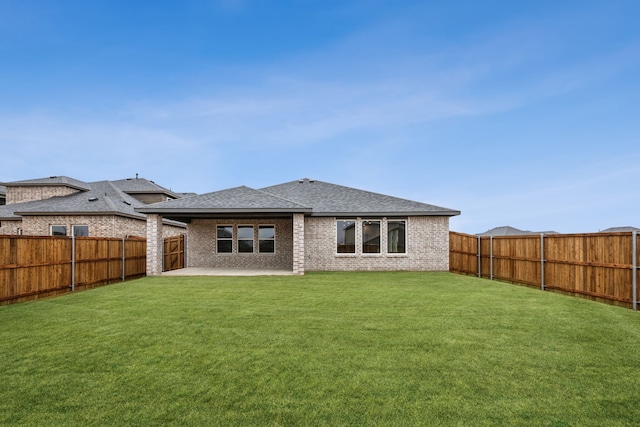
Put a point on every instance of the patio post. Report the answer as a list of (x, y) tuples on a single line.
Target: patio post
[(298, 243), (154, 245)]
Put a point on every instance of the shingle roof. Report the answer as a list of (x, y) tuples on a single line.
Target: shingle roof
[(142, 186), (306, 196), (233, 200), (332, 199), (620, 229), (52, 180), (511, 231), (102, 198)]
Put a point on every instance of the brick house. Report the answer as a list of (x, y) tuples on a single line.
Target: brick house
[(65, 206), (304, 225)]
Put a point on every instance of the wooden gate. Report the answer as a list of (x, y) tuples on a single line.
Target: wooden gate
[(173, 253)]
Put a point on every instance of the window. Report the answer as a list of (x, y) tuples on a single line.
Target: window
[(266, 239), (80, 230), (346, 236), (396, 237), (370, 237), (245, 239), (224, 239), (58, 230)]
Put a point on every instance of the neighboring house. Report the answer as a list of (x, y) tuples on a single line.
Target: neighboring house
[(304, 225), (511, 231), (620, 229), (60, 205)]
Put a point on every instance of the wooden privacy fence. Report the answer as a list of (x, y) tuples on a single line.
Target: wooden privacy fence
[(598, 265), (173, 253), (32, 267)]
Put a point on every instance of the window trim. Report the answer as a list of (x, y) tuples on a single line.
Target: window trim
[(57, 225), (224, 239), (73, 229), (355, 242), (244, 239), (271, 239), (406, 237), (380, 221)]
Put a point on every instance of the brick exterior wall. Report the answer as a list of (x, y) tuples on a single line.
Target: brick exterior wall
[(10, 227), (21, 194), (427, 247), (99, 226), (201, 245)]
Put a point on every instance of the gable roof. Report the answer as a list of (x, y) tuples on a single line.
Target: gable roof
[(328, 199), (315, 198), (619, 229)]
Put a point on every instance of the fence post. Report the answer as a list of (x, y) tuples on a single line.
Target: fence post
[(491, 257), (73, 262), (634, 246), (542, 285), (124, 259), (479, 258)]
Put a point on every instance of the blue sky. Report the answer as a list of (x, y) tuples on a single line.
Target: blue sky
[(520, 113)]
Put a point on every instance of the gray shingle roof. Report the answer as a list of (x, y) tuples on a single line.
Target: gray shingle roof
[(102, 198), (620, 229), (511, 231), (142, 186), (306, 196), (238, 199), (332, 199), (52, 180)]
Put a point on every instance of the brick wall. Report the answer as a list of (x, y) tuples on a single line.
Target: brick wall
[(201, 245), (10, 227), (427, 247), (99, 225), (19, 194)]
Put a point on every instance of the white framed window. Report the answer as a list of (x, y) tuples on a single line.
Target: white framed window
[(346, 236), (371, 236), (245, 239), (224, 239), (80, 230), (267, 239), (58, 230), (397, 236)]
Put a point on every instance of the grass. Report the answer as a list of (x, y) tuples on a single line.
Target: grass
[(322, 349)]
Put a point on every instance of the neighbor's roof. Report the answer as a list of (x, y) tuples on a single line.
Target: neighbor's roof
[(142, 186), (307, 196), (511, 231), (619, 229), (50, 181)]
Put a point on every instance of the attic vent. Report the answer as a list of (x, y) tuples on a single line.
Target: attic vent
[(301, 181), (52, 177), (311, 181), (93, 199), (126, 203)]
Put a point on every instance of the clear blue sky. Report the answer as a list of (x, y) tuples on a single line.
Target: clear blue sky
[(520, 113)]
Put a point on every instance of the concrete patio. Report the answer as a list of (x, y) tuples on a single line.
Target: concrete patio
[(191, 271)]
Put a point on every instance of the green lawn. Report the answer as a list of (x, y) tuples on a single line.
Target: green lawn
[(323, 349)]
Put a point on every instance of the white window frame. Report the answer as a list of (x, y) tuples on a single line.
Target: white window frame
[(406, 237), (73, 229), (380, 222), (224, 239), (253, 239), (57, 225), (273, 239), (356, 239)]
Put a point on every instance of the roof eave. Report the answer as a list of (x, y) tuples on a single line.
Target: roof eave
[(387, 213), (201, 211), (80, 213)]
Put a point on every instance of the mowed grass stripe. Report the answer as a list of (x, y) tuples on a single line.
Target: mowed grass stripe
[(396, 348)]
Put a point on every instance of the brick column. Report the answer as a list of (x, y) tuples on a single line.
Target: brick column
[(154, 245), (298, 243)]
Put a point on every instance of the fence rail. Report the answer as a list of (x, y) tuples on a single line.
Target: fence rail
[(598, 265), (33, 267)]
